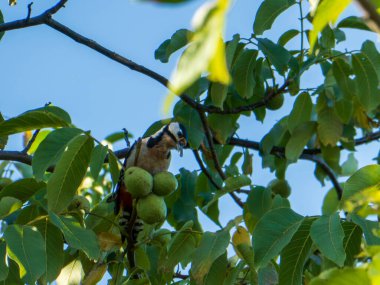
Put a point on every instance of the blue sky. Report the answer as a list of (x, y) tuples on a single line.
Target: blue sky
[(39, 65)]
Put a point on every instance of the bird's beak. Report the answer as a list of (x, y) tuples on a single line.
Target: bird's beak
[(181, 145)]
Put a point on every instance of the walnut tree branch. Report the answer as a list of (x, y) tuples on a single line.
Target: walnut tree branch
[(372, 14)]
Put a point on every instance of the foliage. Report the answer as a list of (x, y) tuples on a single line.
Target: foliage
[(50, 232)]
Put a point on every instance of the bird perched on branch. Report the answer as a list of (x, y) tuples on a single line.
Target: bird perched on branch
[(152, 154)]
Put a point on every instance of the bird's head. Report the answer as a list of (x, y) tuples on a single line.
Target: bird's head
[(171, 136)]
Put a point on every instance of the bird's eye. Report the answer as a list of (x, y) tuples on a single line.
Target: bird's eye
[(180, 134)]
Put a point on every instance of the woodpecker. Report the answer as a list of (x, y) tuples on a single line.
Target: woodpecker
[(152, 154)]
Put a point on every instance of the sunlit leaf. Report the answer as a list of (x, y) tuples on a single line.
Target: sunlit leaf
[(4, 270), (206, 51), (8, 205), (345, 276), (25, 245), (327, 12)]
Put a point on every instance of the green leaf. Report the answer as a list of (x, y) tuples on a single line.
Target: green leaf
[(212, 245), (368, 228), (268, 11), (178, 40), (114, 167), (50, 150), (287, 36), (295, 254), (366, 177), (3, 139), (47, 117), (247, 166), (117, 136), (4, 270), (352, 242), (354, 22), (180, 247), (8, 205), (278, 56), (268, 275), (71, 273), (345, 276), (259, 202), (273, 232), (69, 173), (218, 94), (301, 135), (330, 128), (216, 274), (1, 22), (190, 119), (53, 243), (243, 76), (342, 70), (330, 203), (370, 50), (25, 245), (366, 81), (350, 165), (301, 112), (184, 208), (222, 126), (22, 189), (77, 236), (206, 50), (327, 12), (327, 233), (105, 210), (98, 155)]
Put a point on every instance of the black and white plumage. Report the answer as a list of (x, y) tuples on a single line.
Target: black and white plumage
[(152, 154)]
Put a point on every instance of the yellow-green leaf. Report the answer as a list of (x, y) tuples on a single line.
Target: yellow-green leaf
[(206, 51), (327, 12)]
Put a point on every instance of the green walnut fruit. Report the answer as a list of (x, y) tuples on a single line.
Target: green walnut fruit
[(138, 182), (164, 183), (276, 102), (151, 209), (163, 236), (280, 187), (79, 203)]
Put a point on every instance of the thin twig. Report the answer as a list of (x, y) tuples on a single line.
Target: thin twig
[(31, 141), (329, 172), (204, 169), (29, 11), (372, 13), (302, 29)]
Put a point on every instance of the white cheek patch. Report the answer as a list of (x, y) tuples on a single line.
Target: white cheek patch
[(174, 128)]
